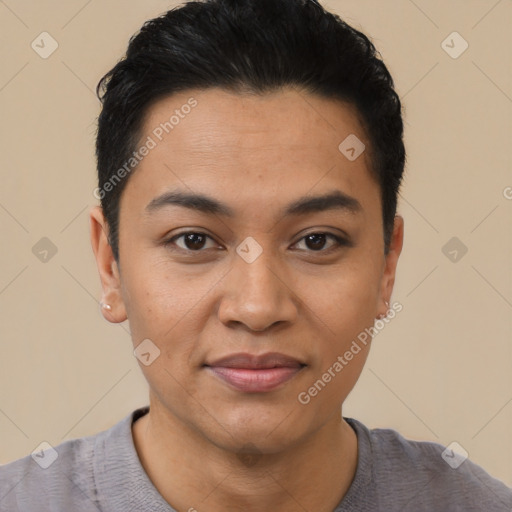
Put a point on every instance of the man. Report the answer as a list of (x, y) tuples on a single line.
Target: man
[(250, 155)]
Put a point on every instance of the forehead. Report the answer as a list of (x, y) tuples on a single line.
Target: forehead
[(252, 120), (278, 145)]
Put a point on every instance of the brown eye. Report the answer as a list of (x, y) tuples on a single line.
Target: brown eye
[(192, 241), (321, 242), (316, 241)]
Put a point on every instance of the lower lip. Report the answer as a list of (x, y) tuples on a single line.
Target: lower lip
[(255, 381)]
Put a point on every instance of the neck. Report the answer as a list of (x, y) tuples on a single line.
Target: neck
[(314, 474)]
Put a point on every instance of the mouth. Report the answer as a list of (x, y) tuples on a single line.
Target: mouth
[(255, 374)]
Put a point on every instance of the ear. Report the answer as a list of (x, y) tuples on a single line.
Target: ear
[(107, 268), (388, 276)]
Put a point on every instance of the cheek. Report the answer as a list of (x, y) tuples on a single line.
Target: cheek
[(171, 307), (343, 309), (345, 299), (157, 295)]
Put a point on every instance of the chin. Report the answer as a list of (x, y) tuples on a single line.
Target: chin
[(270, 429)]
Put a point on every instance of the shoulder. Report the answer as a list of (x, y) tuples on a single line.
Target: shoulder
[(423, 475), (51, 472), (63, 475)]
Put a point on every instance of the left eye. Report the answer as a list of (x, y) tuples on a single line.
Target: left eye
[(318, 241)]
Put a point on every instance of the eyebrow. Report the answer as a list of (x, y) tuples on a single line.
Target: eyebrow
[(199, 202), (335, 200)]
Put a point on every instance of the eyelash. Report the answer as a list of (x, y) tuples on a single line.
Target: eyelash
[(340, 242)]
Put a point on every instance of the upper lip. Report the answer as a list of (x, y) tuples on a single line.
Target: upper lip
[(256, 362)]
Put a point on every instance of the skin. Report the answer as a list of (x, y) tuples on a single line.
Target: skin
[(256, 154)]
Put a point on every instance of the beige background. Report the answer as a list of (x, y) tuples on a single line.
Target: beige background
[(440, 371)]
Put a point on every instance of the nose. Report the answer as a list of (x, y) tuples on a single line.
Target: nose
[(257, 295)]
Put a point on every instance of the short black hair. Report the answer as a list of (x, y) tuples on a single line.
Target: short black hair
[(254, 46)]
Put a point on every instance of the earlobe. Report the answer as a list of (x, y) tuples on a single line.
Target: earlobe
[(106, 306), (384, 315), (112, 305)]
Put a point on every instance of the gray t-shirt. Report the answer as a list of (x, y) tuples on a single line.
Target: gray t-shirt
[(103, 473)]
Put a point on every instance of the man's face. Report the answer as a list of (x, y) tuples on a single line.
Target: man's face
[(275, 180)]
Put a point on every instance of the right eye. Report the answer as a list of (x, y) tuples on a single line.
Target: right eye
[(191, 241)]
